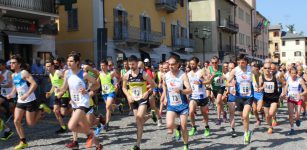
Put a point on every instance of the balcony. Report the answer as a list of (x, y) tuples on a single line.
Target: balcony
[(134, 35), (169, 5), (228, 48), (183, 43), (47, 6), (256, 31), (229, 26)]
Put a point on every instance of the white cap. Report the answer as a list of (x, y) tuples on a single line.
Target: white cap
[(146, 60)]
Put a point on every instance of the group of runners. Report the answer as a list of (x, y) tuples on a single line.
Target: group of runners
[(236, 88)]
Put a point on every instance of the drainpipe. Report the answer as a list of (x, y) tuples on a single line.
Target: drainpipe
[(253, 38), (188, 19), (235, 15)]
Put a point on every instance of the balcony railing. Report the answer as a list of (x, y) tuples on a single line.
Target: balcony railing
[(257, 31), (135, 34), (228, 48), (168, 5), (47, 6), (184, 43), (229, 26)]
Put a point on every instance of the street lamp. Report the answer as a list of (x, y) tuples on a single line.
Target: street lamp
[(203, 34)]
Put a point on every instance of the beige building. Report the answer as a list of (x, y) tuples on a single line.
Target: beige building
[(293, 48), (217, 16), (234, 26), (275, 33)]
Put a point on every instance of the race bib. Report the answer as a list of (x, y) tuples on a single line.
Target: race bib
[(245, 89), (195, 88), (175, 99), (3, 92), (75, 97), (269, 87), (294, 96), (105, 88), (20, 92), (218, 81), (137, 93)]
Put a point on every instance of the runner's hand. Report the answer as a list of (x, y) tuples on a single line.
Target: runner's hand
[(48, 94), (176, 90), (9, 96), (24, 97), (60, 94), (82, 91)]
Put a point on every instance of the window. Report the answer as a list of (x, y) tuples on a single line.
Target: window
[(241, 13), (276, 34), (297, 53), (283, 54), (283, 43), (120, 24), (72, 19), (247, 18), (276, 46), (163, 28), (297, 42)]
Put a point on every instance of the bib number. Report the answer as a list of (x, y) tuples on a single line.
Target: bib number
[(175, 99), (105, 88), (137, 93), (218, 81), (245, 89), (76, 97), (294, 96), (269, 87)]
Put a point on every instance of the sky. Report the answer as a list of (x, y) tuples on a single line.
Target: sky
[(286, 12)]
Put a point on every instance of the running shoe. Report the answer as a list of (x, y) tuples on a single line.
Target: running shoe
[(270, 130), (106, 127), (247, 137), (100, 147), (207, 132), (130, 113), (225, 117), (160, 122), (274, 123), (7, 135), (233, 133), (193, 131), (218, 122), (292, 131), (298, 123), (177, 135), (72, 145), (21, 145), (61, 130), (98, 130), (90, 140), (135, 147), (281, 103), (154, 116), (186, 147), (304, 115), (45, 108), (250, 115), (120, 108)]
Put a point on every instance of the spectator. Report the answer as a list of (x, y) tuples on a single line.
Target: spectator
[(37, 68)]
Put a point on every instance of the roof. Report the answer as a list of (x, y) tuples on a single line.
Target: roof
[(293, 36), (275, 27)]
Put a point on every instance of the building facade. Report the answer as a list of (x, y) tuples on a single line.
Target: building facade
[(293, 48), (116, 29), (275, 33), (218, 17), (28, 28)]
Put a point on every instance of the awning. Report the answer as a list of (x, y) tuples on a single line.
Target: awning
[(153, 54), (24, 38), (183, 55), (254, 58), (129, 52)]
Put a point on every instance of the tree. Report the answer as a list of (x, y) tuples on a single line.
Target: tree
[(291, 28)]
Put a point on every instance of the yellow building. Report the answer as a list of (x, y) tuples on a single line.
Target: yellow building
[(152, 29), (275, 34)]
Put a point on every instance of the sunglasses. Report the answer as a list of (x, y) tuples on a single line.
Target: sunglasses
[(213, 62), (266, 68)]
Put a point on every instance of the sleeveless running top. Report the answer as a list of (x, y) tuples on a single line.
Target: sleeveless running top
[(75, 83), (6, 91), (137, 85), (106, 83), (22, 88), (198, 90), (175, 101), (270, 88), (217, 79), (294, 88), (244, 82), (57, 82)]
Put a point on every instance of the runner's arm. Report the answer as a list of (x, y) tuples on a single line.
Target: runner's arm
[(64, 86), (93, 81), (29, 78), (9, 82), (304, 87), (186, 83), (231, 77)]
